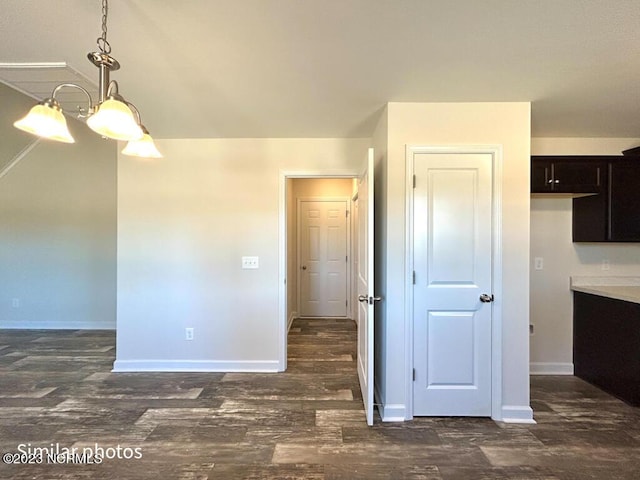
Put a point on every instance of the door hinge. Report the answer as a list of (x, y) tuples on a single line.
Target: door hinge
[(414, 374), (346, 213), (414, 181), (346, 258), (414, 277), (346, 303)]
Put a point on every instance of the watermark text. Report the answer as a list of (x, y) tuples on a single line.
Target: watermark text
[(54, 453)]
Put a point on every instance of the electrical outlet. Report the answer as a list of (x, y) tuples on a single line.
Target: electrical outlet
[(538, 263), (605, 264), (188, 333), (250, 262), (15, 303), (531, 329)]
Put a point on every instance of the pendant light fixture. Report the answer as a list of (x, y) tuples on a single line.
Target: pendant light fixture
[(112, 116), (143, 147)]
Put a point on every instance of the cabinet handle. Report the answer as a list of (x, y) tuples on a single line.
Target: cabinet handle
[(556, 181)]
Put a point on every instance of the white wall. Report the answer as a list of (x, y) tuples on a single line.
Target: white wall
[(14, 106), (506, 124), (184, 222), (57, 227), (551, 307)]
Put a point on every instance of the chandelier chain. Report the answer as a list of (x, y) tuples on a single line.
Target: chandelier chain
[(102, 42)]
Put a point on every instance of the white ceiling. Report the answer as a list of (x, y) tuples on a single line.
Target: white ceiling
[(325, 68), (39, 79)]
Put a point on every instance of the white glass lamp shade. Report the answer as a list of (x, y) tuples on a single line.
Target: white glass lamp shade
[(46, 120), (144, 148), (114, 119)]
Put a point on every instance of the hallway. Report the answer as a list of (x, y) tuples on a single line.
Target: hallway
[(56, 387)]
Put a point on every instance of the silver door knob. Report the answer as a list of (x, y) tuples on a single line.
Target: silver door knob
[(369, 300), (486, 298)]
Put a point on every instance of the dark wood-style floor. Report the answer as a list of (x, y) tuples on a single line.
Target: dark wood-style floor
[(56, 389)]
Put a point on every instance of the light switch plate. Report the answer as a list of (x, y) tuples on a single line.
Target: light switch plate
[(538, 263), (250, 262)]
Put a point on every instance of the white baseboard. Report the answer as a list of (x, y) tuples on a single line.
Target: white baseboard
[(517, 414), (292, 317), (392, 412), (264, 366), (548, 368), (397, 412), (44, 325)]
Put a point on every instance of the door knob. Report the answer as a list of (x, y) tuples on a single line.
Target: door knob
[(369, 300), (486, 298), (304, 267)]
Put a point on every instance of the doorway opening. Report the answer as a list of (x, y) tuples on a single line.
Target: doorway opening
[(360, 279), (304, 188), (319, 247)]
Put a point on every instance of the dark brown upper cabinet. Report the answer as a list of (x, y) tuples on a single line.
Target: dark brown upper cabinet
[(567, 175), (605, 191), (624, 200), (614, 214)]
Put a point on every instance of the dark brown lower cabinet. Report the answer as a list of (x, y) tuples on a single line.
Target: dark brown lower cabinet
[(606, 344)]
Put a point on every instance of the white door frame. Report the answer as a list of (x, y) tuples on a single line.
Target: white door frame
[(496, 327), (347, 202), (282, 247)]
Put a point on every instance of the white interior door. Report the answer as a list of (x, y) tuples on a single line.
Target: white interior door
[(366, 295), (322, 246), (452, 253)]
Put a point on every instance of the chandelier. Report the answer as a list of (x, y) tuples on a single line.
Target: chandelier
[(112, 116)]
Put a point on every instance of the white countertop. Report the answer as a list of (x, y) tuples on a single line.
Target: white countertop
[(618, 288)]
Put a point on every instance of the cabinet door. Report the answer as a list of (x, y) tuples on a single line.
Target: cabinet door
[(606, 341), (624, 201), (560, 174), (540, 176), (589, 221), (578, 176)]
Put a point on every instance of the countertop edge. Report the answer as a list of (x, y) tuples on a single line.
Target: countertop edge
[(608, 281), (627, 293)]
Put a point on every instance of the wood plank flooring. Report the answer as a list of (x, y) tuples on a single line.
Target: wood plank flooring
[(56, 389)]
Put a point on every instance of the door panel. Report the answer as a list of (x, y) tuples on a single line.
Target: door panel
[(365, 359), (450, 349), (322, 244), (451, 215), (452, 263)]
